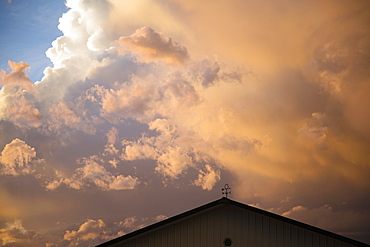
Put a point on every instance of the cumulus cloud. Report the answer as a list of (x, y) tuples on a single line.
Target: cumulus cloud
[(112, 136), (173, 162), (94, 173), (76, 52), (92, 232), (134, 223), (61, 115), (152, 46), (110, 148), (19, 97), (126, 102), (208, 179), (112, 118), (87, 233), (18, 158), (127, 223), (15, 233), (173, 154)]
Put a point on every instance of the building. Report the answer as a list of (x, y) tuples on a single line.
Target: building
[(224, 223)]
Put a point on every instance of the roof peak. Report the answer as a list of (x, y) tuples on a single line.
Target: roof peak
[(226, 201)]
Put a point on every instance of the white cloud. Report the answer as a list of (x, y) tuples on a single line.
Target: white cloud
[(77, 51)]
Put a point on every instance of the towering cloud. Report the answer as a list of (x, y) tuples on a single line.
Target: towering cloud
[(136, 108)]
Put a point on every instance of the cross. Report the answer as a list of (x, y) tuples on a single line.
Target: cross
[(226, 188)]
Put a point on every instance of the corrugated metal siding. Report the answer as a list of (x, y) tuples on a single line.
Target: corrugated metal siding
[(245, 228)]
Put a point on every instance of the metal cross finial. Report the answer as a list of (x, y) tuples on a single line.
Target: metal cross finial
[(226, 188)]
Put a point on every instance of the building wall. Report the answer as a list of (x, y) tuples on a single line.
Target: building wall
[(245, 228)]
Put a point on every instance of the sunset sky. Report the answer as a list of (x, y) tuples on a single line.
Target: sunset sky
[(115, 114)]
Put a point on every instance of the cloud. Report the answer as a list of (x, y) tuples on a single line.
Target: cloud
[(328, 218), (173, 155), (60, 114), (282, 112), (18, 158), (208, 179), (89, 230), (173, 162), (15, 233), (127, 223), (93, 232), (112, 136), (94, 173), (76, 52), (19, 97), (317, 128), (126, 102), (127, 16), (152, 46), (134, 223), (110, 149), (88, 233)]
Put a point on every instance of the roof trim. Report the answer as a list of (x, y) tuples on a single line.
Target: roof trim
[(225, 201)]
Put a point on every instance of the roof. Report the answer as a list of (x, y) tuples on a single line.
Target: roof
[(222, 202)]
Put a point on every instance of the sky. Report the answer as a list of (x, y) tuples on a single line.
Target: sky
[(115, 114)]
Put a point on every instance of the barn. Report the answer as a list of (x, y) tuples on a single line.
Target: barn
[(225, 223)]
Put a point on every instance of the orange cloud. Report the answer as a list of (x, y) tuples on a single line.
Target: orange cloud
[(15, 233), (19, 97), (281, 110), (153, 46), (17, 158), (92, 173)]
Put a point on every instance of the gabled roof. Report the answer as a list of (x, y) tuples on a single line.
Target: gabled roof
[(222, 202)]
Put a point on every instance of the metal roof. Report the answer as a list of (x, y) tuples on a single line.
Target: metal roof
[(222, 202)]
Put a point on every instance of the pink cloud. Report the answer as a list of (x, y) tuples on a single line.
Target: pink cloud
[(151, 46)]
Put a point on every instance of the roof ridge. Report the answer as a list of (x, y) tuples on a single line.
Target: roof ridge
[(227, 201)]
